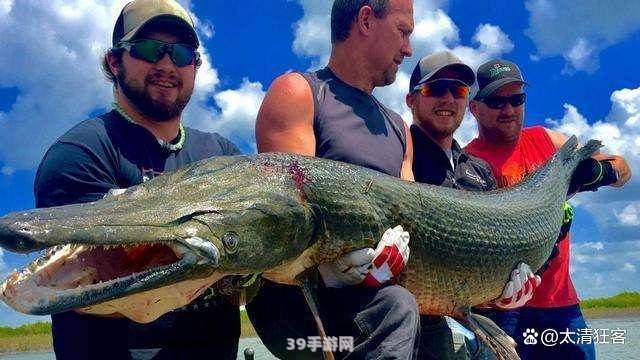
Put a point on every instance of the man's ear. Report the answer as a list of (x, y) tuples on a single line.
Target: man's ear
[(363, 21), (113, 63), (473, 108), (410, 100)]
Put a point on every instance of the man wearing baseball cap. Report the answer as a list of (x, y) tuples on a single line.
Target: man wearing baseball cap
[(438, 96), (152, 64), (513, 152)]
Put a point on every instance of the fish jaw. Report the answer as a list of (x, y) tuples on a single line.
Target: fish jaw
[(80, 276)]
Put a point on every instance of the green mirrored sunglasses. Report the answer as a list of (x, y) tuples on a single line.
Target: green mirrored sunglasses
[(152, 51)]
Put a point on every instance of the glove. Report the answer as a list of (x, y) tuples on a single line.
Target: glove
[(349, 269), (519, 289), (373, 267), (390, 257)]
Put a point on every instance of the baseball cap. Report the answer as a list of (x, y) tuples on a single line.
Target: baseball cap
[(429, 65), (495, 73), (138, 13)]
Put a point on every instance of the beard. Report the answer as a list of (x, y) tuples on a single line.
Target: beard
[(439, 130), (139, 96)]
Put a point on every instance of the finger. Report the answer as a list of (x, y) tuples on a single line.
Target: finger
[(507, 292), (538, 280), (382, 257), (405, 255), (525, 270), (352, 276), (517, 281), (357, 258), (397, 263), (402, 240), (363, 269)]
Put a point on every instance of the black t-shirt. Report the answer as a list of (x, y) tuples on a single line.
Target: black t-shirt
[(110, 152), (432, 166)]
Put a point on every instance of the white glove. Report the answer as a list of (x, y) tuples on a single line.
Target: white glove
[(114, 192), (391, 257), (519, 289), (348, 269), (373, 267)]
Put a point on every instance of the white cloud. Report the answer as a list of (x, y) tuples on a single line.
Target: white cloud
[(582, 56), (629, 216), (7, 170), (237, 114), (3, 265), (51, 55), (605, 269), (615, 210), (580, 30), (627, 267)]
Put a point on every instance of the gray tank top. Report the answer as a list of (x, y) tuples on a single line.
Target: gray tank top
[(353, 126)]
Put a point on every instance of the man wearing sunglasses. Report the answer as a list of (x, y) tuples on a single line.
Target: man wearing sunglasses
[(152, 65), (438, 96), (513, 152)]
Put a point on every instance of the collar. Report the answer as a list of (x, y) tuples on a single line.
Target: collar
[(428, 146), (169, 146)]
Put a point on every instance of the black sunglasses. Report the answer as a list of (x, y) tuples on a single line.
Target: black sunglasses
[(153, 50), (499, 102)]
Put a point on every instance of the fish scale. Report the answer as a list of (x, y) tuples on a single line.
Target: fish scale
[(291, 212)]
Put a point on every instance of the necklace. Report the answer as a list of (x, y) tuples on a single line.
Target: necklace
[(164, 144)]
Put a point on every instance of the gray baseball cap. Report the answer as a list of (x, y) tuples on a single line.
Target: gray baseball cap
[(429, 65), (138, 13), (495, 73)]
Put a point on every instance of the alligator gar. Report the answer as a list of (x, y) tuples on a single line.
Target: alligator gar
[(160, 244)]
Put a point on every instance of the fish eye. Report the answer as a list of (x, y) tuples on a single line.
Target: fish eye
[(230, 241)]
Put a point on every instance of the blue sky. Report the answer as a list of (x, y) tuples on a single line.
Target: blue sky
[(578, 57)]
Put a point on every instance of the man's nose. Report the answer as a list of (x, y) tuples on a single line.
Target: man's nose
[(165, 62)]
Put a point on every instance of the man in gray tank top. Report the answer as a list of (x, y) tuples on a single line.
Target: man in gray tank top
[(332, 113)]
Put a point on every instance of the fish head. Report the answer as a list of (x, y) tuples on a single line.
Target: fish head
[(172, 236)]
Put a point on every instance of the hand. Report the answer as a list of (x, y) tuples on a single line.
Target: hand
[(390, 257), (620, 166), (349, 269), (114, 192), (519, 289)]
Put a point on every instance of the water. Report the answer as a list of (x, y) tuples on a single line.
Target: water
[(608, 351)]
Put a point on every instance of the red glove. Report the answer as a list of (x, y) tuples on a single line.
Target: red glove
[(390, 257)]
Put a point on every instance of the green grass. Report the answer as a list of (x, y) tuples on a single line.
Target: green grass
[(624, 300), (37, 336)]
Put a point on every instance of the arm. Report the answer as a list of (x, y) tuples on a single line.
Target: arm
[(285, 118), (406, 171), (605, 170), (70, 174)]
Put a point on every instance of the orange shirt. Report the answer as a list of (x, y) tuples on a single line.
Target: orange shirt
[(510, 164)]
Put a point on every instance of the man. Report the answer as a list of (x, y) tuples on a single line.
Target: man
[(331, 113), (152, 65), (513, 153), (438, 96)]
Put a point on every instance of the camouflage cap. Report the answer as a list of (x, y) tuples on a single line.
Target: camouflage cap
[(138, 13)]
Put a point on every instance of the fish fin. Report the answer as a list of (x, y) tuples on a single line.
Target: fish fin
[(501, 344), (570, 150), (308, 281)]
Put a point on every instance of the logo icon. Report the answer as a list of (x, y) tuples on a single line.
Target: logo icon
[(530, 336)]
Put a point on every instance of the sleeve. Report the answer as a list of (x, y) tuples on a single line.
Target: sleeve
[(70, 173), (487, 174)]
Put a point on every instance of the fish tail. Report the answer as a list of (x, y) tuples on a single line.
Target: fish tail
[(571, 155), (495, 339)]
